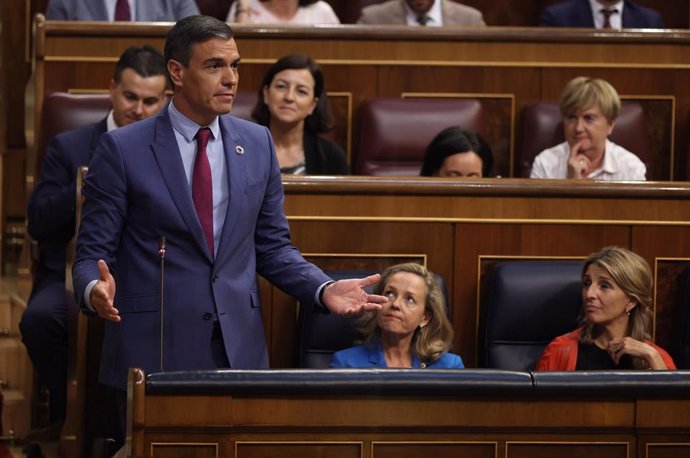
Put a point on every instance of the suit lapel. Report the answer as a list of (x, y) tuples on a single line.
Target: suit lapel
[(99, 130), (170, 164), (234, 172)]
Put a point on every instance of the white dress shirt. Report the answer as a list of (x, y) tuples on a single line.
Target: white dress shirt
[(619, 164)]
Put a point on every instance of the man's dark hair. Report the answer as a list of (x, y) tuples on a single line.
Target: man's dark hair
[(191, 30), (306, 2), (320, 119), (454, 140), (146, 60)]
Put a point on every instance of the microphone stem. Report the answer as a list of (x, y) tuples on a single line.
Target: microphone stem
[(161, 254)]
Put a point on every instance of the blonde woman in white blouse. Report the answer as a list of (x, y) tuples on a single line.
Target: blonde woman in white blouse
[(294, 12)]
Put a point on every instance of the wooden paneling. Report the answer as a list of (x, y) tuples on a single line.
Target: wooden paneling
[(460, 225), (506, 67)]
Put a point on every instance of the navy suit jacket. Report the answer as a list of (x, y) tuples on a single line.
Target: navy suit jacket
[(135, 192), (372, 356), (51, 211), (578, 13), (146, 10)]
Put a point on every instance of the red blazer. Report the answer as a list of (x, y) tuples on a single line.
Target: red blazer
[(561, 353)]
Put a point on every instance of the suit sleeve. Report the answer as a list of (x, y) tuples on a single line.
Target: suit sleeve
[(276, 258), (103, 215), (52, 205)]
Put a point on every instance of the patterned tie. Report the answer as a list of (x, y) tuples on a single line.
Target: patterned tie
[(122, 12), (202, 187), (423, 19), (607, 16)]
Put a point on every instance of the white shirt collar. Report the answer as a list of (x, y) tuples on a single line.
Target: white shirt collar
[(434, 14), (616, 19), (110, 122)]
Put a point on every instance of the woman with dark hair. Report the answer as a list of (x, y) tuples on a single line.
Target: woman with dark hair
[(304, 12), (616, 317), (457, 152), (292, 103), (410, 331)]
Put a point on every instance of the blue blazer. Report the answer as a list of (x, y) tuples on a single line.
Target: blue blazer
[(366, 356), (578, 13), (146, 10), (135, 192)]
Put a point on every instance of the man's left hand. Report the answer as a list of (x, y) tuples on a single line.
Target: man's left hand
[(348, 298)]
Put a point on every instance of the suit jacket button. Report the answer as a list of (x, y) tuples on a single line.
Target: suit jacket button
[(214, 277), (208, 316)]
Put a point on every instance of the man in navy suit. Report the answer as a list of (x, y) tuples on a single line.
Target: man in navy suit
[(141, 190), (137, 91), (588, 13)]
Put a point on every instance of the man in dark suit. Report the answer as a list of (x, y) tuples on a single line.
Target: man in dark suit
[(209, 185), (137, 91), (121, 10), (588, 13)]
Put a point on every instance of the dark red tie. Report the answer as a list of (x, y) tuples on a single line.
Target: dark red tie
[(122, 12), (607, 16), (202, 186)]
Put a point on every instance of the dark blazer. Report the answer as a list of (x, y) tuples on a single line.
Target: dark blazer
[(135, 192), (146, 10), (372, 356), (578, 13), (324, 157), (51, 211), (51, 221)]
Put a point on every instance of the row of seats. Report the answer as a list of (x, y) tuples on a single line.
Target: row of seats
[(527, 304), (394, 133)]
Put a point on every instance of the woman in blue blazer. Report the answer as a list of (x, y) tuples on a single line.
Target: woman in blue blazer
[(410, 331)]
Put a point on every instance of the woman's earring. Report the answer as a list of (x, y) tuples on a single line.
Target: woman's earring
[(627, 311)]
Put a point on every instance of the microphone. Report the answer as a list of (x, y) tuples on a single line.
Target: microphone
[(161, 254)]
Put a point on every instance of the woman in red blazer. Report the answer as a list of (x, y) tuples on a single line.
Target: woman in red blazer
[(616, 317)]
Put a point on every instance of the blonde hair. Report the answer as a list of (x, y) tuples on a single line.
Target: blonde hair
[(428, 342), (583, 92), (632, 274)]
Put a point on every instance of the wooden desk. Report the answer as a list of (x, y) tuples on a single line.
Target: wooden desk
[(405, 413), (459, 227)]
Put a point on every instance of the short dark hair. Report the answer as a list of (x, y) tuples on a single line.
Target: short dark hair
[(146, 60), (191, 30), (320, 120), (452, 140), (306, 2)]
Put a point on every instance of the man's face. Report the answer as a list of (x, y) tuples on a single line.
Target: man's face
[(420, 6), (136, 97), (206, 87)]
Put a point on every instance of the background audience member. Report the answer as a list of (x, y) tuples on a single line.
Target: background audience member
[(421, 12), (410, 331), (137, 91), (293, 104), (457, 152), (305, 12), (121, 10), (616, 317), (589, 107), (600, 14)]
